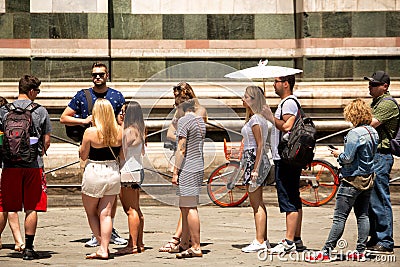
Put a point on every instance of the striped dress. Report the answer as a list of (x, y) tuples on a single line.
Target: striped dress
[(191, 174)]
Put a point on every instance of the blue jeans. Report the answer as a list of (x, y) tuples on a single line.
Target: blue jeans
[(348, 197), (381, 215)]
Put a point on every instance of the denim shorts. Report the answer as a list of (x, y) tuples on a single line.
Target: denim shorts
[(287, 179)]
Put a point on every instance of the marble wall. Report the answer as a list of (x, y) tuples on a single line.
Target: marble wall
[(331, 40)]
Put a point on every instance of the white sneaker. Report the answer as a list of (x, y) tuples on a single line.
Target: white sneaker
[(256, 246), (116, 239), (92, 242), (283, 247)]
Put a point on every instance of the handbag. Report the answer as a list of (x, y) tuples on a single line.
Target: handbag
[(75, 132)]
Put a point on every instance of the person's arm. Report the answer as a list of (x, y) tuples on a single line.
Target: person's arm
[(179, 156), (256, 129), (375, 123), (171, 132), (286, 123), (46, 142), (85, 146), (350, 149), (67, 118), (267, 113)]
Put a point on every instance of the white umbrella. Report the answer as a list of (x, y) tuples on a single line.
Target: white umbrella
[(262, 71)]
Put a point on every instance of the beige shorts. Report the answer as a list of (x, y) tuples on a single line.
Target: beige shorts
[(101, 178)]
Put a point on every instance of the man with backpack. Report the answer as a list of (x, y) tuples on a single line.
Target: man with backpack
[(78, 112), (385, 120), (287, 177), (26, 127)]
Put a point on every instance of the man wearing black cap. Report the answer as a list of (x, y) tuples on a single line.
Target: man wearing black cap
[(385, 119)]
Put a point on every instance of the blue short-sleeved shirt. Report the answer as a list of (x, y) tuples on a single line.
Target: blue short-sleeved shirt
[(80, 105)]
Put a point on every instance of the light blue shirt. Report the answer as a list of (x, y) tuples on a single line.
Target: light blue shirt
[(359, 150)]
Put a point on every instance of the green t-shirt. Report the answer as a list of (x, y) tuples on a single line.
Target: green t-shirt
[(387, 112)]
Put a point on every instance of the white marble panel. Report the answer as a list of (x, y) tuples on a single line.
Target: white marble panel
[(260, 6), (146, 7), (2, 6), (286, 6), (41, 6), (376, 5), (75, 6), (102, 6)]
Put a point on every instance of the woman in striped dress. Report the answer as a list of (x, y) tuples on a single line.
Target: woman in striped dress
[(188, 175)]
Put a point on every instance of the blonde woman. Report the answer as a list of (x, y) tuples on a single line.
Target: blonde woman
[(255, 137), (101, 145), (132, 174)]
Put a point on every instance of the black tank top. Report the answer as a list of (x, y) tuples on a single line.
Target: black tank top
[(104, 153)]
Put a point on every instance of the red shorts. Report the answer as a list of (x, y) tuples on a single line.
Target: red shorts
[(23, 188)]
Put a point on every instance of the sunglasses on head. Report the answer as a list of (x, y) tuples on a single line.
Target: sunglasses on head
[(100, 74), (375, 84)]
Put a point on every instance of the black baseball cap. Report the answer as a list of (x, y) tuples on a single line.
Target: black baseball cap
[(379, 77)]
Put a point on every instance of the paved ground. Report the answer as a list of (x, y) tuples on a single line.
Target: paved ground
[(63, 231)]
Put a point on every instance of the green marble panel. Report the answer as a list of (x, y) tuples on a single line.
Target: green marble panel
[(338, 69), (364, 66), (97, 26), (148, 68), (40, 26), (15, 68), (274, 26), (6, 26), (365, 24), (230, 27), (69, 26), (393, 67), (336, 25), (393, 24), (1, 71), (16, 6), (136, 27), (122, 6), (125, 70), (38, 68), (314, 69), (187, 72), (312, 25), (173, 27), (21, 26), (195, 27)]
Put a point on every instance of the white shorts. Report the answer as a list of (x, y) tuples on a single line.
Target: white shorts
[(101, 178)]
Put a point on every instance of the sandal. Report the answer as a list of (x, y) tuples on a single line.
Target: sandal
[(173, 243), (19, 248), (189, 253), (176, 249), (129, 250)]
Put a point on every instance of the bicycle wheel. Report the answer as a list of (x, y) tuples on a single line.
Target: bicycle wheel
[(217, 185), (318, 183)]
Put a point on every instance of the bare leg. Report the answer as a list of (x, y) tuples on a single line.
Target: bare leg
[(191, 226), (299, 222), (3, 222), (104, 210), (30, 222), (90, 204), (130, 202), (13, 221), (260, 214), (292, 219)]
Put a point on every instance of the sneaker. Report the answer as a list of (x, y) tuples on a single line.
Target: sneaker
[(379, 249), (116, 239), (29, 254), (283, 247), (299, 245), (356, 256), (318, 256), (256, 246), (92, 242)]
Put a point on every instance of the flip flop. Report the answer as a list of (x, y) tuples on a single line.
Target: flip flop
[(189, 253), (95, 256), (129, 250)]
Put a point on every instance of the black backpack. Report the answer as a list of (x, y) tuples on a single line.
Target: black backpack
[(18, 128), (297, 146), (76, 132), (394, 140)]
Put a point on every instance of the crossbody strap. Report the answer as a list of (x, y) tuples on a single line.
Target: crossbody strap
[(372, 139)]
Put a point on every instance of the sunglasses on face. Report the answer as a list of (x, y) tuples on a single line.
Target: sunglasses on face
[(37, 90), (100, 74), (375, 84)]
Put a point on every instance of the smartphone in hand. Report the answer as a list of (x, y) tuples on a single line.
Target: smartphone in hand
[(332, 147)]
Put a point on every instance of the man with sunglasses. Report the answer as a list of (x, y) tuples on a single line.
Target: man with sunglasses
[(23, 182), (77, 113), (385, 119)]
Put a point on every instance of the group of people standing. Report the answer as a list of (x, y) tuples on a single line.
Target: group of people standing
[(114, 144)]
